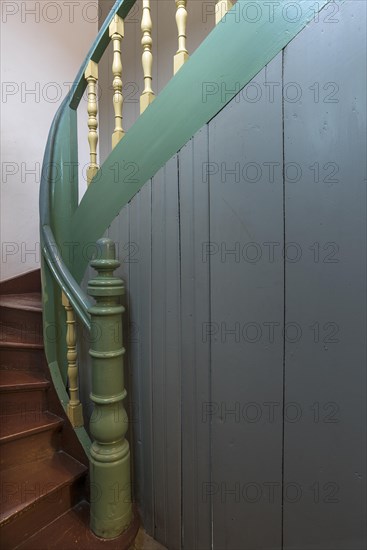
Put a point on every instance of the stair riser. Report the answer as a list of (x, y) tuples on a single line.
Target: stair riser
[(25, 403), (28, 360), (20, 326), (19, 527), (30, 448)]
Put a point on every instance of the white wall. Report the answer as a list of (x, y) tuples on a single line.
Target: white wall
[(43, 44)]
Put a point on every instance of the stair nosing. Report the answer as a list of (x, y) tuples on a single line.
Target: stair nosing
[(21, 345), (24, 386)]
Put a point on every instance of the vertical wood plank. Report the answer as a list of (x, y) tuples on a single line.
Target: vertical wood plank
[(246, 212), (140, 345), (325, 460), (195, 353), (166, 356)]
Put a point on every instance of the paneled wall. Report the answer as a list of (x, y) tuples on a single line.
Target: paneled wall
[(244, 262)]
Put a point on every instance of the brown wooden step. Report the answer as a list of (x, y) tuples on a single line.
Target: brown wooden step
[(72, 531), (17, 426), (21, 318), (25, 282), (32, 435), (21, 392), (29, 301), (25, 357), (34, 496)]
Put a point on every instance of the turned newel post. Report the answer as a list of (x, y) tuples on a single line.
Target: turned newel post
[(111, 508)]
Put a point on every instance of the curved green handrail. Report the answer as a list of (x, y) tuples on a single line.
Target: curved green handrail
[(233, 53), (54, 226), (57, 203)]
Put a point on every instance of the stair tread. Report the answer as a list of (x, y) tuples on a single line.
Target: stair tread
[(21, 333), (71, 530), (13, 380), (27, 423), (29, 301), (23, 487)]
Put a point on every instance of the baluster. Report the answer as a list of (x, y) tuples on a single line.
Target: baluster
[(74, 407), (221, 8), (181, 18), (91, 76), (116, 30), (111, 509), (147, 96)]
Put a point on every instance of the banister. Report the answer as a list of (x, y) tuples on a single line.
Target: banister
[(63, 300), (170, 121), (121, 8), (215, 73), (53, 257)]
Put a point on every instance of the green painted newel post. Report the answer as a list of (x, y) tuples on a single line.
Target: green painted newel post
[(111, 508)]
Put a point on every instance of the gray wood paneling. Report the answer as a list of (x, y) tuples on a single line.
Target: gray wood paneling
[(165, 330), (140, 342), (195, 352), (252, 411), (326, 288), (246, 295)]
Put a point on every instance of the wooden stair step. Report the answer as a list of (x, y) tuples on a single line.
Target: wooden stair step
[(29, 301), (22, 391), (33, 497), (21, 332), (26, 282), (14, 357), (23, 487), (21, 318), (17, 426), (12, 380), (72, 531)]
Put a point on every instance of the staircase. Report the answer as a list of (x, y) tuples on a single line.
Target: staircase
[(44, 494)]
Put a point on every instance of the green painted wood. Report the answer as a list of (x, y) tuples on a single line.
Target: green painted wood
[(111, 505), (233, 53), (58, 201)]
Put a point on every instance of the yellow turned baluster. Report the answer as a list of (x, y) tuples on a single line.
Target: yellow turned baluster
[(222, 7), (91, 76), (74, 408), (116, 29), (181, 17), (147, 96)]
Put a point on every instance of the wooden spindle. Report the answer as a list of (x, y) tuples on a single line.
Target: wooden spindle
[(74, 407), (221, 8), (181, 18), (116, 30), (147, 96), (91, 76)]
